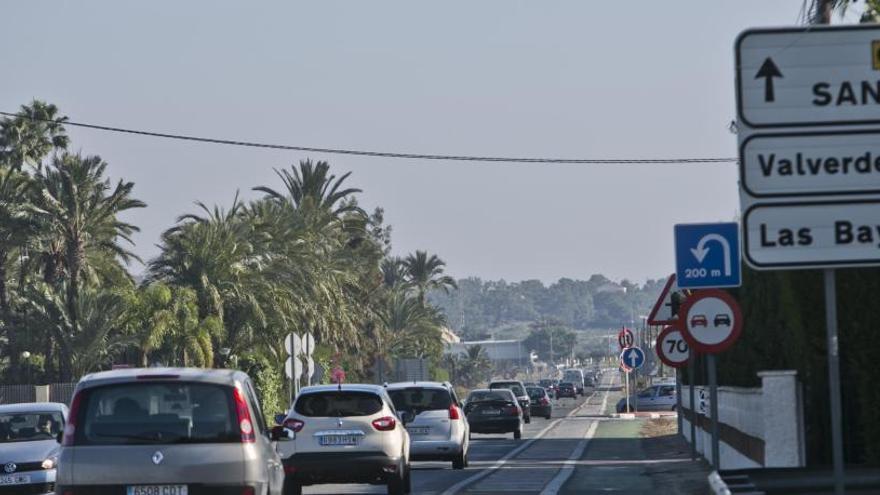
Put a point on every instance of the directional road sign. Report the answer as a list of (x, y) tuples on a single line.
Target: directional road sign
[(665, 311), (813, 234), (808, 76), (632, 357), (672, 348), (707, 255), (712, 321), (293, 367)]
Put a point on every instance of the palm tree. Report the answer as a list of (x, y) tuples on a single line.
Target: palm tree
[(475, 364), (313, 187), (78, 210), (414, 328), (17, 224), (29, 137), (425, 273), (394, 273)]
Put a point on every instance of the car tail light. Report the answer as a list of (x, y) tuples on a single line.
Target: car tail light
[(244, 417), (512, 411), (294, 425), (248, 490), (70, 427), (453, 412), (386, 423), (544, 401)]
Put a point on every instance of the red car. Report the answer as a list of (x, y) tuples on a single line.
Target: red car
[(699, 321)]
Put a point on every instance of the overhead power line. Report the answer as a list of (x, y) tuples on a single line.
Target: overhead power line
[(383, 154)]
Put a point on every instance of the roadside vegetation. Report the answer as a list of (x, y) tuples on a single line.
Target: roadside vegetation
[(230, 282)]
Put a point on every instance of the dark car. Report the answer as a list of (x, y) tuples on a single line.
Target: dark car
[(540, 402), (494, 411), (722, 319), (566, 389), (519, 391)]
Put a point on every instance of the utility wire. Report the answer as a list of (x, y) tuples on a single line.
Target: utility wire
[(384, 154)]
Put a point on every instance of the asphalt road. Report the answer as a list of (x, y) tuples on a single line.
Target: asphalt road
[(541, 462)]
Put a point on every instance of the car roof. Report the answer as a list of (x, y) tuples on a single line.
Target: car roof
[(345, 387), (219, 376), (404, 385), (493, 382), (492, 390), (26, 407)]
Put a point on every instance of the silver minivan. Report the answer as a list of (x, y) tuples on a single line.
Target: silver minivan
[(439, 430), (168, 431)]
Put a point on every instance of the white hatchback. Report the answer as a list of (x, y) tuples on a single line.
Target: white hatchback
[(348, 433), (439, 429)]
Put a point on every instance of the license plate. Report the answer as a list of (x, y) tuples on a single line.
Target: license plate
[(157, 490), (419, 430), (492, 412), (332, 440), (15, 479)]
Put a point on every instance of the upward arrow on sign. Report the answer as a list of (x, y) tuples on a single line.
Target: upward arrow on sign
[(768, 71)]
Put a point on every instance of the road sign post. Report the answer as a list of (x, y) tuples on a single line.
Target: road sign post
[(713, 409), (834, 378), (693, 409)]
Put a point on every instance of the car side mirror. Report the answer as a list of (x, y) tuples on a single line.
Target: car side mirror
[(406, 417), (279, 418), (60, 436), (280, 433)]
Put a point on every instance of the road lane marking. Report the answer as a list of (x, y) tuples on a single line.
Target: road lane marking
[(568, 468), (452, 490)]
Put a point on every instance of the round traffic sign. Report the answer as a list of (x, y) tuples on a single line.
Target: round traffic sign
[(625, 338), (712, 321), (672, 348), (632, 357)]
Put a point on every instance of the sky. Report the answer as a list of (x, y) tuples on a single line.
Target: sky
[(573, 79)]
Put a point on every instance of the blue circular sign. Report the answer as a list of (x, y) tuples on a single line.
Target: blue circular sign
[(632, 357)]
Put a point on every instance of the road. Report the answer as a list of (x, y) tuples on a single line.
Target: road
[(540, 463)]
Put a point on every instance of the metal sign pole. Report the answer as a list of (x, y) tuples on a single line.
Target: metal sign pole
[(692, 409), (834, 380), (626, 377), (678, 398), (713, 409)]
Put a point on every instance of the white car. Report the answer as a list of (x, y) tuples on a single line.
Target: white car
[(348, 433), (29, 444), (439, 430), (654, 398)]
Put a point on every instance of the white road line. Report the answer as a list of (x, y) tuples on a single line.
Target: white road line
[(452, 490), (567, 470)]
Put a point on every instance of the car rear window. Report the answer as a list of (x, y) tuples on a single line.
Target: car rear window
[(157, 413), (535, 392), (338, 404), (30, 426), (488, 395), (515, 387), (421, 399)]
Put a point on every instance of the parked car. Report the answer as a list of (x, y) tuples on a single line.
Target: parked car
[(566, 389), (660, 397), (439, 430), (29, 445), (168, 430), (519, 391), (494, 411), (540, 402), (348, 433)]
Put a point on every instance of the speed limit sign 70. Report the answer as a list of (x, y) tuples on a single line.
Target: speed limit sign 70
[(672, 348)]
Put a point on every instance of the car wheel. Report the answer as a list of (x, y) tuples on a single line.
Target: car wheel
[(548, 416), (460, 461), (517, 434), (528, 419), (397, 483)]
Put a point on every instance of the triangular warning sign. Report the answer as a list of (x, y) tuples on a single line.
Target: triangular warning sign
[(665, 310)]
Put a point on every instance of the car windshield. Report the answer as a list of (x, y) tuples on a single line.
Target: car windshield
[(489, 395), (421, 399), (546, 383), (566, 384), (338, 404), (30, 426), (535, 392), (157, 413), (515, 387)]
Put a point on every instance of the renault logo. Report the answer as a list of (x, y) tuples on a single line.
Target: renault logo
[(10, 467), (157, 458)]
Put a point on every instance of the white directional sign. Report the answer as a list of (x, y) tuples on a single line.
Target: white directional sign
[(808, 76), (802, 164), (819, 234)]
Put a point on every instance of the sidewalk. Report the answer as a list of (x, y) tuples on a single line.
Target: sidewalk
[(638, 456)]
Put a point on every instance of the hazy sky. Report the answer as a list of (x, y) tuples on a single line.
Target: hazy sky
[(580, 78)]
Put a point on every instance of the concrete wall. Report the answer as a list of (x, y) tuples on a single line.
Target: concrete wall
[(759, 427)]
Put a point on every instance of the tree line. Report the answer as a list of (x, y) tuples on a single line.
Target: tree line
[(479, 306), (229, 283)]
